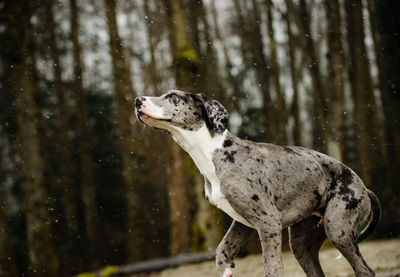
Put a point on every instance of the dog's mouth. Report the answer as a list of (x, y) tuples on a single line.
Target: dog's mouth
[(143, 117)]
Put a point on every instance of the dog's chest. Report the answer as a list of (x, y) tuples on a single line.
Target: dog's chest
[(201, 146), (217, 198), (212, 189)]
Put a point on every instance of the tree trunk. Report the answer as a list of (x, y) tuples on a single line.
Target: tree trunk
[(275, 71), (237, 93), (295, 108), (69, 199), (319, 108), (7, 261), (213, 82), (178, 203), (336, 67), (185, 58), (85, 156), (254, 46), (152, 48), (20, 44), (186, 66), (244, 34), (385, 21), (130, 147), (365, 117)]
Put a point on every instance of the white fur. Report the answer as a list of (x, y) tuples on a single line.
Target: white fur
[(227, 273), (201, 145)]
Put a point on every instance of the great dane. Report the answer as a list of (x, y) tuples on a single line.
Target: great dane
[(266, 187)]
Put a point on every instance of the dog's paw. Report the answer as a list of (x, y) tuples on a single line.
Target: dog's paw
[(227, 273)]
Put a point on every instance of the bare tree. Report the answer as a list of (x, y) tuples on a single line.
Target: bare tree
[(85, 155), (7, 260), (365, 113), (21, 60), (384, 23), (151, 39), (237, 93), (213, 84), (295, 105), (336, 64), (319, 107), (253, 50), (69, 198), (275, 72), (124, 96)]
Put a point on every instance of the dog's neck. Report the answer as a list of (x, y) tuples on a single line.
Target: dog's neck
[(200, 145)]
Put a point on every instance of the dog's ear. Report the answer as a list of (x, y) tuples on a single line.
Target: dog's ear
[(214, 114)]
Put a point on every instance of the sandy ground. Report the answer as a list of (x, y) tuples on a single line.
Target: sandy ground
[(383, 256)]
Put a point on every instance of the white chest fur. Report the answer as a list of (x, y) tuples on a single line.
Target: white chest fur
[(220, 201), (201, 145)]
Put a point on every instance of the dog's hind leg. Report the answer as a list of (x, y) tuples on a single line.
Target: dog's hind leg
[(341, 224), (233, 240), (306, 238)]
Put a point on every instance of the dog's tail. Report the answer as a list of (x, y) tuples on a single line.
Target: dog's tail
[(375, 216)]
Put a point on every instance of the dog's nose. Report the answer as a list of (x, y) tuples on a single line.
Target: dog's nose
[(139, 101)]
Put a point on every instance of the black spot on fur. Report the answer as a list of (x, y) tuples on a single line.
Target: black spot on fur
[(230, 156), (290, 150), (226, 256), (352, 203), (343, 180), (346, 176), (344, 190), (255, 197), (227, 143)]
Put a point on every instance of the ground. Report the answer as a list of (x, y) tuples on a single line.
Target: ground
[(382, 255)]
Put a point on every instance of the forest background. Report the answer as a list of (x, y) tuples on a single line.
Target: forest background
[(83, 185)]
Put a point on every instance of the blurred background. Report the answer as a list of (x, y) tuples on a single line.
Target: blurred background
[(84, 185)]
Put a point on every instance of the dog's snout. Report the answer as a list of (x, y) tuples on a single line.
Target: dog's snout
[(139, 101)]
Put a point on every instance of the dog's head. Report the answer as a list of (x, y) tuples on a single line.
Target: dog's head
[(177, 109)]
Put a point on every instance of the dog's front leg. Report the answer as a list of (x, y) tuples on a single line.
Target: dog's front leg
[(236, 236), (271, 248), (270, 233)]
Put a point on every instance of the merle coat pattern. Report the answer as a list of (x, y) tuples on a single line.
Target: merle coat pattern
[(266, 187)]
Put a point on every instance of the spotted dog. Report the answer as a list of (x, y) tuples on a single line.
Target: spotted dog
[(266, 187)]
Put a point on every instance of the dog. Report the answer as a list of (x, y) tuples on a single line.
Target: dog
[(266, 187)]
